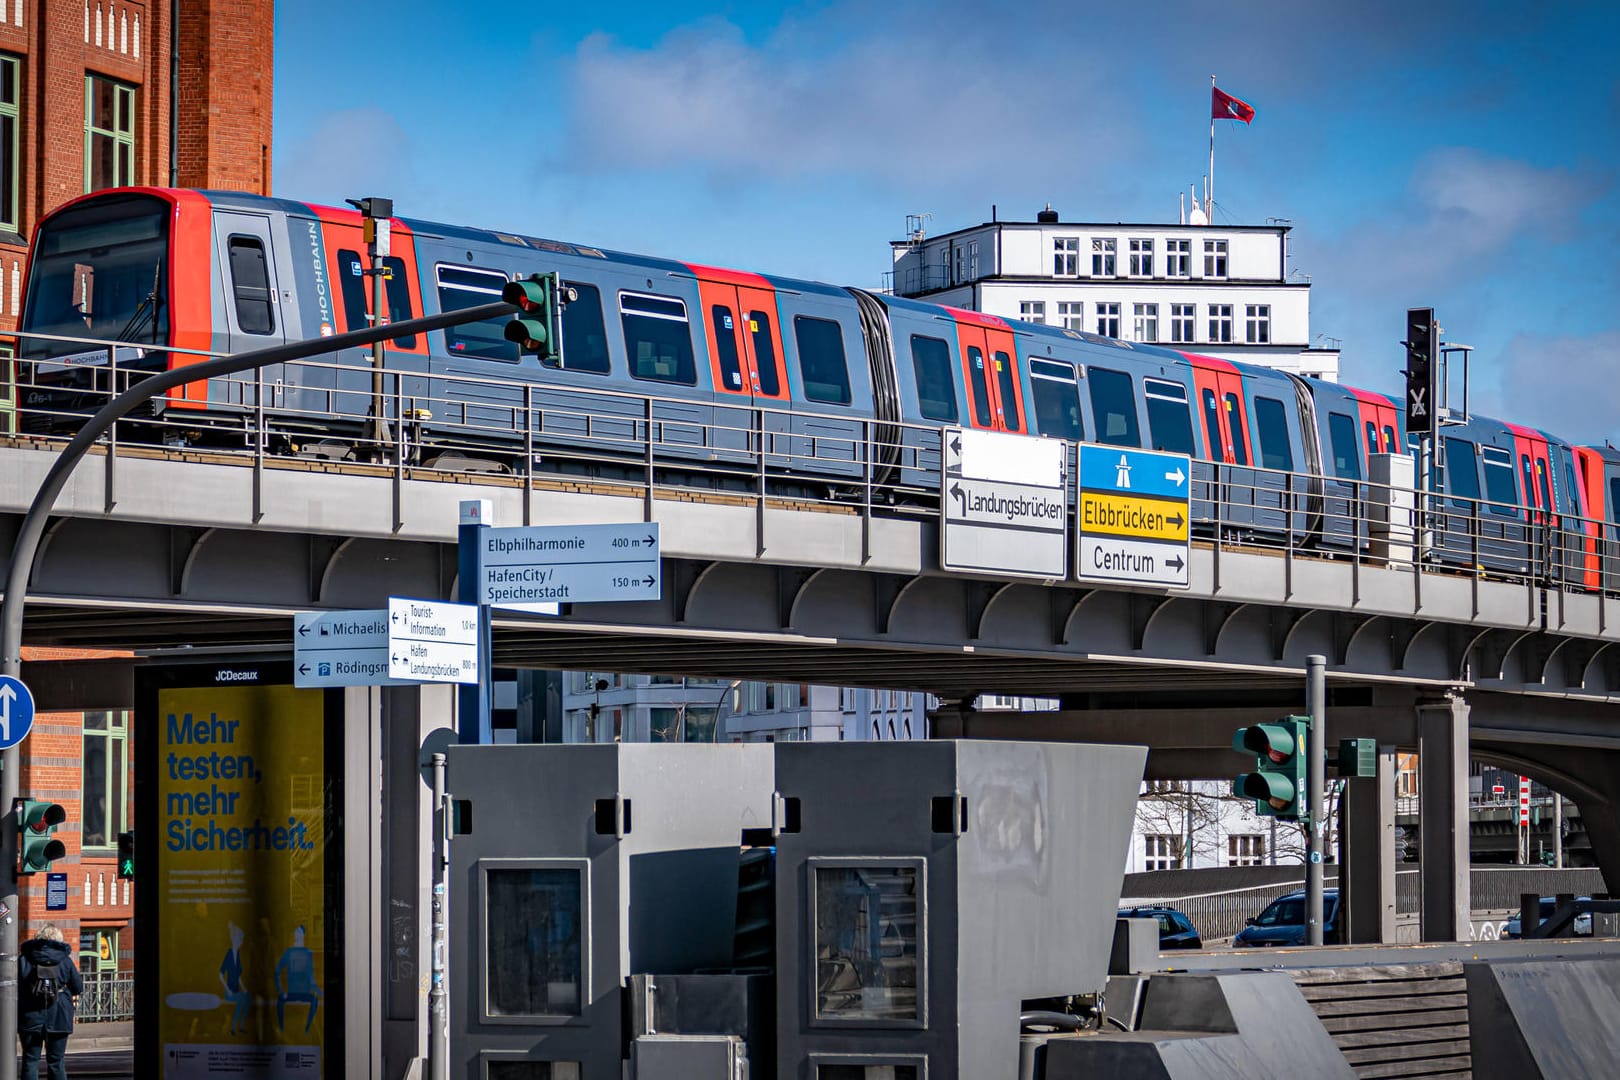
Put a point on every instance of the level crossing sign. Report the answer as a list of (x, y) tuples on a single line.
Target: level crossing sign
[(16, 711), (1134, 516)]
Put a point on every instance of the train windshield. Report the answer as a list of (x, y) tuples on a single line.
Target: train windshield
[(99, 271)]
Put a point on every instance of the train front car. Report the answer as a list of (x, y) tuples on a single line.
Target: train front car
[(101, 298)]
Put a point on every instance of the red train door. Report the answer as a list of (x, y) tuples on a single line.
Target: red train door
[(1378, 424), (1535, 474), (745, 344), (1589, 474), (990, 370), (1226, 416)]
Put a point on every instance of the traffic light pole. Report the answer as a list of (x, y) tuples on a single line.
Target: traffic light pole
[(1315, 788), (32, 531)]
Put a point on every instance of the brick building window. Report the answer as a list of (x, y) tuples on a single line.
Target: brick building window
[(109, 133), (106, 765), (9, 168)]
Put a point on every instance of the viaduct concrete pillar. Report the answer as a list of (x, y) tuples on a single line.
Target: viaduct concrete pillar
[(1446, 910), (1367, 847)]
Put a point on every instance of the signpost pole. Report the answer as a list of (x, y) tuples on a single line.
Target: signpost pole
[(438, 1008), (473, 701), (1315, 785)]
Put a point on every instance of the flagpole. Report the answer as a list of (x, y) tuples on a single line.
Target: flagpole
[(1209, 187)]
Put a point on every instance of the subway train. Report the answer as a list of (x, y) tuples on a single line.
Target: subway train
[(838, 387)]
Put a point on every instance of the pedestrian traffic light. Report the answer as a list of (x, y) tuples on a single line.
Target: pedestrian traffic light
[(126, 855), (36, 847), (1422, 349), (538, 327), (1278, 784)]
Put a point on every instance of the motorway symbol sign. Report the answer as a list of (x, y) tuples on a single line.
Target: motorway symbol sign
[(1133, 517), (1002, 504), (432, 641), (16, 711), (342, 648), (535, 568)]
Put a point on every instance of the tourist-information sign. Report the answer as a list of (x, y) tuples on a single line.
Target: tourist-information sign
[(1134, 516), (342, 648), (16, 711), (1002, 505), (432, 641), (534, 568)]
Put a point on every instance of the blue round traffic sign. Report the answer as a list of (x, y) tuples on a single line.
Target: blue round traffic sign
[(16, 711)]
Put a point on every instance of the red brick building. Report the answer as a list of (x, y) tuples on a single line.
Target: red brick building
[(90, 98)]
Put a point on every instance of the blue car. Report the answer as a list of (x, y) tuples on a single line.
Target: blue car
[(1283, 922), (1176, 931)]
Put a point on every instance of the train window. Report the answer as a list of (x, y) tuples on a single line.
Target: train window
[(584, 332), (1169, 421), (1113, 405), (1007, 389), (1499, 487), (936, 390), (1272, 421), (1389, 439), (1543, 483), (464, 287), (250, 282), (1235, 424), (657, 338), (1346, 454), (1462, 470), (1056, 395), (981, 386), (356, 300), (1529, 480), (1212, 427), (725, 346), (759, 330), (1614, 499), (1372, 438), (822, 366), (1576, 495)]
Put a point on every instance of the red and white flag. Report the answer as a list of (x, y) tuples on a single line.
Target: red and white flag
[(1226, 107)]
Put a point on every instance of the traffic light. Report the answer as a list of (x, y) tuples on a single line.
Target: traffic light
[(126, 855), (36, 847), (1422, 349), (538, 326), (1278, 785)]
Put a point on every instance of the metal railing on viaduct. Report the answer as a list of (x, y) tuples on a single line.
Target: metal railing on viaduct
[(798, 544)]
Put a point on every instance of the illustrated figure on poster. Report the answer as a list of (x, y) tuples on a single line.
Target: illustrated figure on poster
[(230, 976), (295, 980)]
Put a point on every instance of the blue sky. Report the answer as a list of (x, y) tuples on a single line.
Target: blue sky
[(1459, 155)]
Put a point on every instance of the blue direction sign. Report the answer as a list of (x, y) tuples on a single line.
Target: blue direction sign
[(16, 711), (1133, 515), (534, 567)]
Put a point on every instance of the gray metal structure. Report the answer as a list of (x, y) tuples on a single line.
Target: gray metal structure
[(586, 865), (925, 890)]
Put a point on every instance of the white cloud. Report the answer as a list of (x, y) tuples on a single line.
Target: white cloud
[(350, 153), (1569, 385)]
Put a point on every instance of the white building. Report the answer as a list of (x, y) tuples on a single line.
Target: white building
[(1222, 291), (607, 707)]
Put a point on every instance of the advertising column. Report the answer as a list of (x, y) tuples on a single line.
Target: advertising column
[(241, 883)]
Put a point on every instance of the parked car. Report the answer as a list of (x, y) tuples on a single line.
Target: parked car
[(1283, 922), (1583, 917), (1176, 931)]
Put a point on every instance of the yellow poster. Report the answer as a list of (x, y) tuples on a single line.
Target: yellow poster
[(241, 877)]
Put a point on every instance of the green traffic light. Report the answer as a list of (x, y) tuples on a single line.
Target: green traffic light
[(537, 330), (1278, 784), (36, 847), (126, 855)]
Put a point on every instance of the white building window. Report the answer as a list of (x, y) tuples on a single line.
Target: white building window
[(1161, 852), (1108, 319), (1071, 314), (1245, 850), (1032, 311), (1141, 258), (1177, 258), (1104, 255), (1214, 258), (973, 260), (1145, 322), (961, 264), (1065, 256), (1257, 324), (1220, 323), (1182, 318), (1150, 787)]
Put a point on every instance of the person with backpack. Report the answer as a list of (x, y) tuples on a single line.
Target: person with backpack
[(48, 980)]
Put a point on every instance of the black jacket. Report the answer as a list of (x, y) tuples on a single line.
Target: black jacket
[(57, 1018)]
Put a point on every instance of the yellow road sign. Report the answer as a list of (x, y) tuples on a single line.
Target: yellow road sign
[(1133, 516)]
